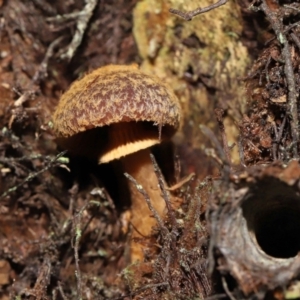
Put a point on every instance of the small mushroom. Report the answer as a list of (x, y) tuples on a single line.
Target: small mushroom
[(118, 112)]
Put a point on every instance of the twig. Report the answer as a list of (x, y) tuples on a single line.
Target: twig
[(267, 67), (216, 297), (177, 168), (284, 31), (146, 287), (193, 214), (181, 182), (41, 72), (170, 237), (291, 7), (225, 286), (66, 17), (148, 201), (39, 75), (25, 96), (76, 256), (188, 16), (82, 22), (73, 193), (31, 176), (78, 232), (43, 278), (44, 6), (275, 145), (275, 131), (61, 291), (209, 134), (165, 193), (219, 114), (211, 152), (278, 136), (289, 73), (33, 86), (241, 151), (281, 129), (2, 25), (22, 158), (295, 39)]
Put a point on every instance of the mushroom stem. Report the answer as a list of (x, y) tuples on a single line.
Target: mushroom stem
[(140, 167)]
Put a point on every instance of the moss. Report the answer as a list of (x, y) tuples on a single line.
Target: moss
[(202, 60)]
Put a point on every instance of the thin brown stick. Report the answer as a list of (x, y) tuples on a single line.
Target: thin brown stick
[(216, 297), (267, 67), (148, 201), (289, 73), (52, 163), (181, 182), (146, 287), (43, 279), (39, 75), (220, 151), (165, 193), (83, 19), (41, 72), (177, 168), (291, 7), (284, 31), (170, 236), (295, 39), (281, 129), (279, 136), (275, 144), (225, 286), (219, 114), (241, 151), (31, 157), (77, 235), (61, 291), (33, 87), (188, 16)]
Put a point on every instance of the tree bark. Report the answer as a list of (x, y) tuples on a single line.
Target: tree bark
[(202, 60)]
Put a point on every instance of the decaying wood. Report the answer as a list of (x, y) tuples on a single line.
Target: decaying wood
[(254, 223)]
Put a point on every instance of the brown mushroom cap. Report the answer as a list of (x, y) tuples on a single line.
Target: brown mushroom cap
[(115, 94)]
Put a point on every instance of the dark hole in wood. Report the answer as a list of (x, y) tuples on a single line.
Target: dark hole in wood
[(272, 212)]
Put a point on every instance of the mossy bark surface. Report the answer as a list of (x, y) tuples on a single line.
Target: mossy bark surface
[(203, 60)]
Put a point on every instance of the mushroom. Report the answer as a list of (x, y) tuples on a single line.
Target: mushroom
[(118, 112)]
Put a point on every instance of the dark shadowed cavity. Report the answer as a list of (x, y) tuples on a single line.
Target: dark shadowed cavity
[(272, 212)]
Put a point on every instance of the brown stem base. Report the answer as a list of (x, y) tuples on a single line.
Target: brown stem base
[(140, 167)]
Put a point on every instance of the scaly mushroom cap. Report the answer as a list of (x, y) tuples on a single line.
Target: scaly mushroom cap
[(113, 94), (116, 94)]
